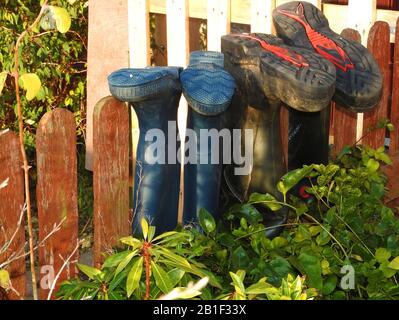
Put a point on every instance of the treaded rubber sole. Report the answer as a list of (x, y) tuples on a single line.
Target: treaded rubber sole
[(358, 89), (207, 88), (213, 57), (136, 85), (306, 88)]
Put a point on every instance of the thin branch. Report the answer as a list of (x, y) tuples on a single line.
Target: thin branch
[(21, 143), (15, 257), (7, 244), (64, 265)]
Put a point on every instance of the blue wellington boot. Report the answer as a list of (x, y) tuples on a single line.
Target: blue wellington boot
[(154, 93), (208, 90)]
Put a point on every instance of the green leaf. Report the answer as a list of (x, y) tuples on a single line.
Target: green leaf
[(4, 279), (134, 276), (91, 272), (56, 18), (386, 270), (261, 287), (394, 264), (3, 78), (292, 178), (329, 285), (323, 238), (164, 235), (372, 165), (279, 242), (31, 83), (132, 242), (240, 258), (161, 278), (390, 127), (382, 255), (174, 258), (310, 264), (151, 233), (266, 200), (144, 228), (238, 284), (302, 234), (115, 259), (206, 220), (175, 275), (122, 265)]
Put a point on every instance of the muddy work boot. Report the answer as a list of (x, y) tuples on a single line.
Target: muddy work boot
[(154, 93), (268, 72), (208, 90), (358, 84)]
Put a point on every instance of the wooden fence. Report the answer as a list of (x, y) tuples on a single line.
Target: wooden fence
[(56, 143), (116, 37)]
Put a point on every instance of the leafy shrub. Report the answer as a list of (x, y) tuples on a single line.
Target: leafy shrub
[(58, 59), (343, 226)]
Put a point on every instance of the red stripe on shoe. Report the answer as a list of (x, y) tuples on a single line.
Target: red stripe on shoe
[(283, 53), (322, 44)]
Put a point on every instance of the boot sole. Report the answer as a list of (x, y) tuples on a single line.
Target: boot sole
[(207, 88), (306, 88), (359, 81), (136, 85)]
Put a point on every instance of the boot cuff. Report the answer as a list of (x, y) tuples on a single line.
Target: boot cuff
[(214, 57), (207, 88), (134, 85)]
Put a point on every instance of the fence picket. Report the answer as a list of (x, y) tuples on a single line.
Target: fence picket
[(139, 33), (110, 175), (108, 50), (261, 15), (11, 206), (218, 22), (57, 197), (394, 136), (379, 46), (344, 121), (177, 32)]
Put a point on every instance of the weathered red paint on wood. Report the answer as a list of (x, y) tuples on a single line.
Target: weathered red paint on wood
[(284, 115), (392, 172), (110, 175), (11, 206), (379, 46), (57, 196), (345, 121), (394, 143)]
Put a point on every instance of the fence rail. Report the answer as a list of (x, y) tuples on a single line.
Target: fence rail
[(56, 136)]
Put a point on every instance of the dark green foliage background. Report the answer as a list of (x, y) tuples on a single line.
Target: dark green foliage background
[(60, 62), (58, 59)]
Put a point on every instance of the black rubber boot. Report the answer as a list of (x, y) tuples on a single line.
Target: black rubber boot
[(154, 94), (268, 72), (208, 90), (358, 84)]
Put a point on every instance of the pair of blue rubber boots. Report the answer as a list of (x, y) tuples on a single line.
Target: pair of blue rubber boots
[(154, 93)]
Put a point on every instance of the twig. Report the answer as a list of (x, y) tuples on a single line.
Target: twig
[(7, 244), (13, 257), (62, 269), (21, 143)]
